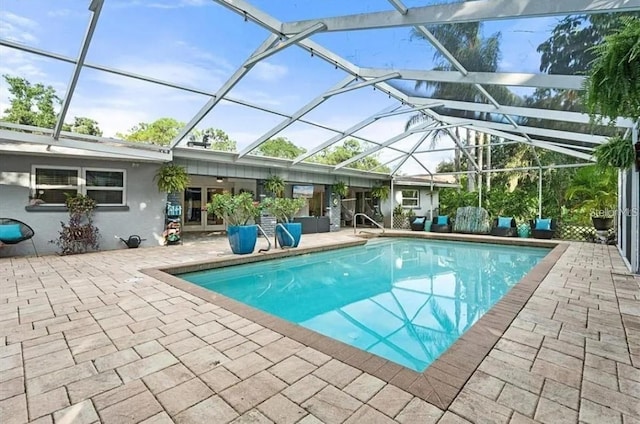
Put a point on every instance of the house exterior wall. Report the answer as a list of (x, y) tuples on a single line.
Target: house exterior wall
[(428, 202), (143, 215)]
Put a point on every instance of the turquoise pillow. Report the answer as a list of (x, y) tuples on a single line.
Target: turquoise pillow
[(443, 219), (543, 224), (504, 221), (10, 232), (419, 221)]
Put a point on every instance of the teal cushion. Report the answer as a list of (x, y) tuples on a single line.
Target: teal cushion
[(504, 221), (543, 224), (443, 220), (10, 232), (419, 220)]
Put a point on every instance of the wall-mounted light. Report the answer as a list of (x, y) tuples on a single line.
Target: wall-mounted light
[(219, 179)]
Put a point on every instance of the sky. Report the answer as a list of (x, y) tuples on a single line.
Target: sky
[(200, 44)]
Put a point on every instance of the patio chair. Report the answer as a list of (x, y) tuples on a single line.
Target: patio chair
[(417, 223), (542, 228), (504, 227), (13, 231), (441, 224)]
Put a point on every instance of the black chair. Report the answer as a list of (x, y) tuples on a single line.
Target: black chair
[(541, 233), (437, 227), (417, 223), (510, 231), (13, 231)]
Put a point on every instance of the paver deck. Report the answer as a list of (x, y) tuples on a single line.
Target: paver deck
[(90, 338)]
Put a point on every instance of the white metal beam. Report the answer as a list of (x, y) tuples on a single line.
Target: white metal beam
[(300, 112), (410, 154), (460, 12), (420, 128), (357, 127), (528, 112), (255, 58), (124, 152), (543, 132), (516, 79), (362, 84), (226, 87), (96, 8)]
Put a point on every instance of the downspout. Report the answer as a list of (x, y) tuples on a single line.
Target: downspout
[(540, 193), (391, 197)]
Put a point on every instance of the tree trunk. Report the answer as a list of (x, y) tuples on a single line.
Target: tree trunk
[(471, 180), (457, 157), (488, 162)]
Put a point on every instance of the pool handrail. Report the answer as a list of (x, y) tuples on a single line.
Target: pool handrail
[(367, 217), (275, 238), (266, 237)]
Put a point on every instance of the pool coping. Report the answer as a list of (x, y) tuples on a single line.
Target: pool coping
[(441, 382)]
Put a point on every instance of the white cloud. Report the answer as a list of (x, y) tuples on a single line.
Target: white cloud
[(265, 71), (17, 28)]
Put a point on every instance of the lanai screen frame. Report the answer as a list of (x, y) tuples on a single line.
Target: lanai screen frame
[(285, 34)]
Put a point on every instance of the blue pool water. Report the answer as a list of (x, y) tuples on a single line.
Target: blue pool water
[(406, 300)]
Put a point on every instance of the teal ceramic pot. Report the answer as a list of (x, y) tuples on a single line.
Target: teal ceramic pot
[(295, 229), (524, 230), (242, 238)]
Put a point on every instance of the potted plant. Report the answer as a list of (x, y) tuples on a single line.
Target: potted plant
[(594, 189), (617, 152), (172, 178), (284, 209), (380, 192), (237, 210), (274, 185), (340, 188), (79, 235)]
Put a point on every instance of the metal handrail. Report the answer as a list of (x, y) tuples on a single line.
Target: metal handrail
[(367, 217), (266, 237), (293, 239)]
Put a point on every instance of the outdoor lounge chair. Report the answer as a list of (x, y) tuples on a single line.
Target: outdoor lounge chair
[(441, 224), (13, 231), (542, 228), (504, 227), (417, 223)]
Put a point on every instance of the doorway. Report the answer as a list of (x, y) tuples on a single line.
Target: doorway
[(195, 215)]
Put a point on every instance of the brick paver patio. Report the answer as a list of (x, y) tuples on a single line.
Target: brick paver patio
[(90, 338)]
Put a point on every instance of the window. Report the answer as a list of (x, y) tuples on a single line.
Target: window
[(410, 198), (105, 186)]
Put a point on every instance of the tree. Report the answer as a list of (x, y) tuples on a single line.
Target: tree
[(35, 105), (83, 125), (349, 148), (475, 53), (219, 139), (279, 147), (31, 104), (567, 51), (160, 131)]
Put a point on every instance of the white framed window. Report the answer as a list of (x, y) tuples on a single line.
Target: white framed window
[(51, 183), (105, 185), (411, 199)]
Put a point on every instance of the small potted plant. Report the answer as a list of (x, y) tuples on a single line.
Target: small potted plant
[(274, 185), (340, 188), (172, 178), (79, 235), (284, 209), (237, 211)]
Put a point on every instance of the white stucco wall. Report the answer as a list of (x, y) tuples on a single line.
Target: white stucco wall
[(427, 202), (145, 216)]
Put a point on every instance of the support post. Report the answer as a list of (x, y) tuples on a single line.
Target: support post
[(540, 193)]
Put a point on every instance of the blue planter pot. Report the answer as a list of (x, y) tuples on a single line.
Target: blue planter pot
[(295, 228), (524, 230), (242, 239)]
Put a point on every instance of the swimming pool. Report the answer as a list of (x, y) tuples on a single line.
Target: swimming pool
[(406, 300)]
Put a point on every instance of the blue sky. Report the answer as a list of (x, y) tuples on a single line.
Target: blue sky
[(200, 44)]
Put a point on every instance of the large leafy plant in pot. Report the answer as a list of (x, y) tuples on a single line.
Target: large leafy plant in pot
[(237, 210), (284, 209), (594, 191)]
